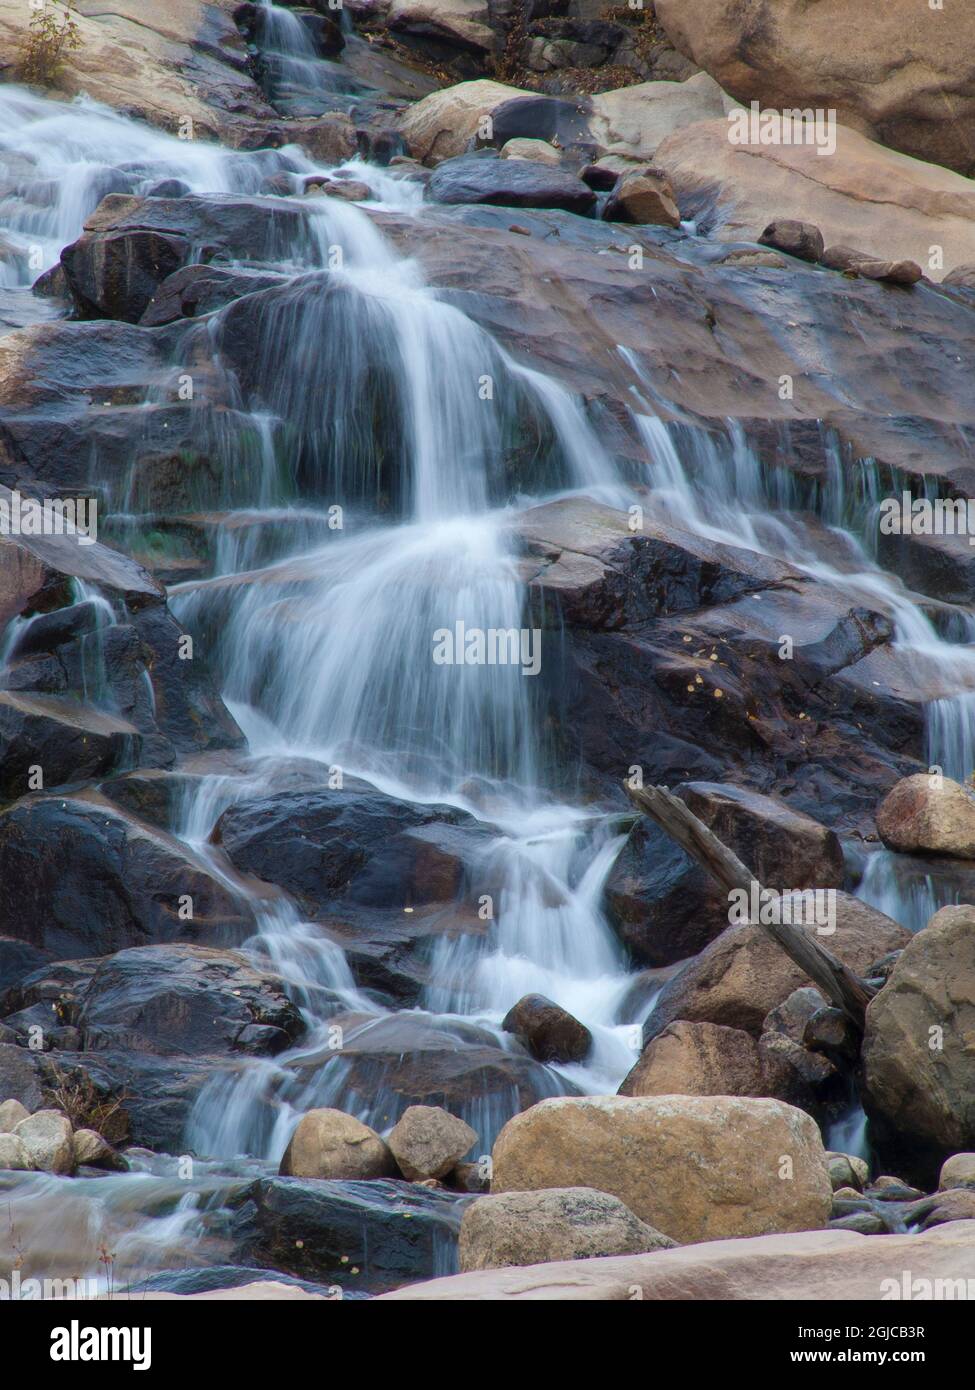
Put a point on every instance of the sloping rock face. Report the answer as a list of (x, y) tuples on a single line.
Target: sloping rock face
[(736, 190), (93, 687), (918, 1061), (79, 879), (169, 64), (360, 1237), (899, 72), (814, 1265)]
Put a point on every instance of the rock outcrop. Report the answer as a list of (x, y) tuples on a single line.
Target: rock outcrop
[(897, 72)]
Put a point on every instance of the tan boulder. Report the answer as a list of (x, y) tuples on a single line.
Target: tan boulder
[(629, 122), (957, 1171), (954, 1204), (852, 262), (847, 1171), (632, 121), (94, 1151), (921, 816), (565, 1223), (11, 1114), (46, 1135), (540, 151), (443, 123), (458, 21), (331, 1144), (743, 974), (643, 196), (427, 1142), (698, 1059), (330, 138), (745, 188), (900, 71), (694, 1167), (813, 1266), (918, 1053), (14, 1155)]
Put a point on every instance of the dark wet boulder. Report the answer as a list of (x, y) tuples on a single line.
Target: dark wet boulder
[(18, 961), (199, 289), (784, 848), (23, 1075), (168, 188), (96, 685), (550, 1033), (186, 999), (131, 245), (80, 879), (515, 183), (61, 740), (360, 1237), (353, 844), (114, 275), (663, 907)]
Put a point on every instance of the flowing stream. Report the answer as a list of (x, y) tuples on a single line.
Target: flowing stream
[(325, 640)]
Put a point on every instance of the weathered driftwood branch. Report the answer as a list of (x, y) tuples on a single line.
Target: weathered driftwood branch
[(836, 981)]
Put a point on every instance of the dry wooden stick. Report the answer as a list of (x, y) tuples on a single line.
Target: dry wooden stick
[(836, 981)]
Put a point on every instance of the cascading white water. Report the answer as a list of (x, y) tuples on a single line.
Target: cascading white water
[(332, 649), (326, 643)]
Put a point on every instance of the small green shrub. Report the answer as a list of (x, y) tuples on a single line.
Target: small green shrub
[(52, 33)]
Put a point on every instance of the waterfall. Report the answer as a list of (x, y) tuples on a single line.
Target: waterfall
[(372, 452)]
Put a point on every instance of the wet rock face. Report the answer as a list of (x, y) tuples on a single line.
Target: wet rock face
[(362, 1237), (353, 846), (186, 999), (402, 1061), (78, 879), (90, 689)]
